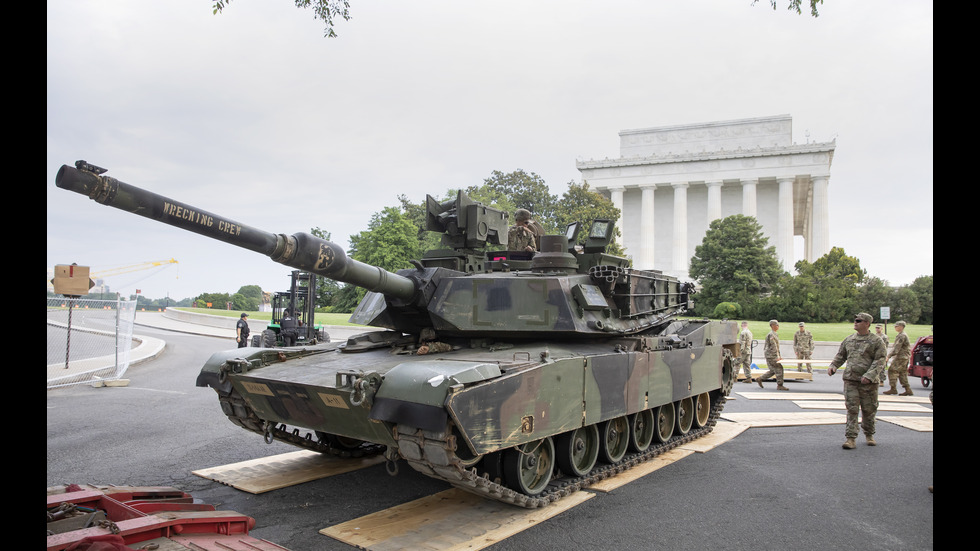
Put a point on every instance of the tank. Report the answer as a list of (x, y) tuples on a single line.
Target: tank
[(521, 377)]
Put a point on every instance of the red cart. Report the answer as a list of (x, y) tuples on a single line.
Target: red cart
[(920, 364)]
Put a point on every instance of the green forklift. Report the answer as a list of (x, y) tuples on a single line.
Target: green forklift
[(292, 321)]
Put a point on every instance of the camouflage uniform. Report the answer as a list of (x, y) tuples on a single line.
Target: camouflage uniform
[(745, 355), (865, 358), (771, 350), (519, 237), (898, 370), (803, 346)]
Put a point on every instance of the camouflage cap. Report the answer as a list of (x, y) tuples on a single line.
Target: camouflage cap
[(863, 317), (902, 323), (801, 324), (522, 214), (773, 322)]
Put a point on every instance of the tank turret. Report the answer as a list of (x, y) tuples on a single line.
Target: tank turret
[(518, 376), (460, 290)]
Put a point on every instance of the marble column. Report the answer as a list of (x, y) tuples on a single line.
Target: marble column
[(784, 225), (644, 260), (680, 258), (616, 196), (749, 205), (714, 200), (820, 217)]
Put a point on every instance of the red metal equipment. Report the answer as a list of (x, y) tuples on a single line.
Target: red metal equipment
[(920, 363), (138, 516)]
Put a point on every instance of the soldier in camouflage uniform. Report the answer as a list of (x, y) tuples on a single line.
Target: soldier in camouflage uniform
[(520, 237), (803, 346), (898, 370), (773, 357), (745, 354), (864, 354)]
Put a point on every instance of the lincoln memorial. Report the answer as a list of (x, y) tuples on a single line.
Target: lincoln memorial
[(670, 182)]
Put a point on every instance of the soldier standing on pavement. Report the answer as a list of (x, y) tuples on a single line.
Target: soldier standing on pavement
[(241, 330), (884, 337), (773, 357), (803, 346), (898, 370), (745, 354), (864, 354)]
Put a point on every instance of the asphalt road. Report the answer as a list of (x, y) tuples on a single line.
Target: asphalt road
[(769, 488)]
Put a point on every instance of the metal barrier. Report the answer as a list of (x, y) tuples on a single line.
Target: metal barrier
[(88, 340)]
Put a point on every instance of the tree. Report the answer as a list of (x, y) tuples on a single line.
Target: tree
[(922, 287), (523, 191), (794, 5), (324, 10), (835, 278), (581, 204), (733, 263), (390, 242)]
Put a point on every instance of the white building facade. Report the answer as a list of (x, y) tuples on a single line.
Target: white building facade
[(671, 182)]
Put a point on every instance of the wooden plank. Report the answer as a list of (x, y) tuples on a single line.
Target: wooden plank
[(917, 422), (790, 395), (723, 432), (785, 419), (787, 375), (641, 470), (887, 406), (451, 520), (279, 471)]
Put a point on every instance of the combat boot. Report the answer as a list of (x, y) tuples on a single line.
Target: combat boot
[(760, 383), (848, 444), (908, 392), (871, 439), (891, 390), (781, 387)]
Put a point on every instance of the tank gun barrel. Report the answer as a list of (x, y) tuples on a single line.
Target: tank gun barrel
[(302, 251)]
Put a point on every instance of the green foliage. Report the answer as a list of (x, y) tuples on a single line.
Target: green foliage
[(734, 263), (581, 204), (727, 310), (796, 5), (922, 287), (324, 10), (834, 279)]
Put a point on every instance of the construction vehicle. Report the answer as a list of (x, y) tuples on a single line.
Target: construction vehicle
[(301, 300), (519, 377)]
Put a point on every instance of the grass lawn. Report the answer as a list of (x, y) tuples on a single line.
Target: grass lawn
[(831, 332)]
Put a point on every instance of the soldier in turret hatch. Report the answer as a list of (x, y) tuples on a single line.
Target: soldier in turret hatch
[(520, 237)]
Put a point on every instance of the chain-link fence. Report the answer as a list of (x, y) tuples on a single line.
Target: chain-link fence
[(88, 339)]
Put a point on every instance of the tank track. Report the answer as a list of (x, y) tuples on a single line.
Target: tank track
[(433, 454), (240, 413)]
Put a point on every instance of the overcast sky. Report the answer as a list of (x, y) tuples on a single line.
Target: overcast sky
[(254, 115)]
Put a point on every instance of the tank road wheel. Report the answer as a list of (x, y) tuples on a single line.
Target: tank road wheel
[(614, 439), (578, 450), (702, 409), (641, 430), (664, 416), (685, 415), (528, 467)]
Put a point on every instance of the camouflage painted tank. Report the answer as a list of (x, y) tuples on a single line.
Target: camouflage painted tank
[(521, 377)]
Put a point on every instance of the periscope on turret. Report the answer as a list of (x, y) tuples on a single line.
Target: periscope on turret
[(517, 376)]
